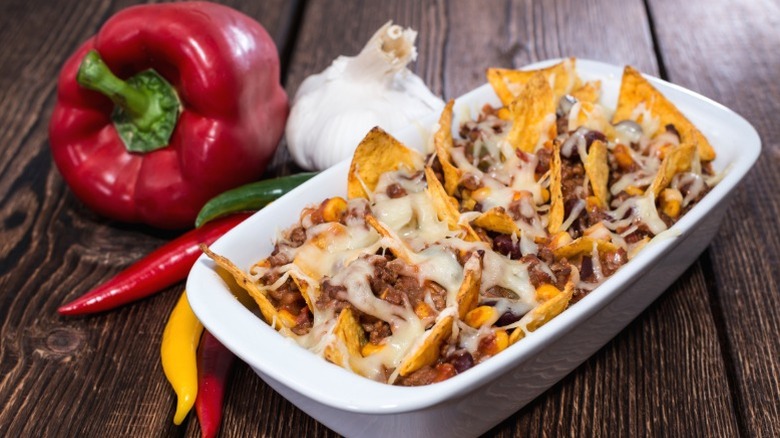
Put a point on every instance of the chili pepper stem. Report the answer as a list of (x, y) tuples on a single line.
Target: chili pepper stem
[(147, 106)]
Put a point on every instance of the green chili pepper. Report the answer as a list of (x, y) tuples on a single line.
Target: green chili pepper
[(253, 196)]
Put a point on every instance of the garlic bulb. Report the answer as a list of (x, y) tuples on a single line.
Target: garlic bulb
[(333, 110)]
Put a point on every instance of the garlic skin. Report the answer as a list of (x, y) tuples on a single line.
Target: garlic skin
[(333, 110)]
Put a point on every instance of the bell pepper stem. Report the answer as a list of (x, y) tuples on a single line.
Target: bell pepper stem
[(147, 106), (95, 75)]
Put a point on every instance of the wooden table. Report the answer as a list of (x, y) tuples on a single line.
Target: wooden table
[(702, 360)]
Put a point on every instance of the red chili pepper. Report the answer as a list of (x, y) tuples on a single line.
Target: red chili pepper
[(196, 108), (163, 267), (214, 364)]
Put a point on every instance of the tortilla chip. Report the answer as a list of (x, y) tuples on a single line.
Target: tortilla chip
[(468, 294), (305, 289), (635, 90), (543, 313), (555, 218), (562, 78), (442, 142), (533, 115), (678, 160), (589, 92), (496, 219), (593, 117), (270, 314), (350, 337), (446, 207), (428, 352), (581, 246), (377, 153), (597, 169)]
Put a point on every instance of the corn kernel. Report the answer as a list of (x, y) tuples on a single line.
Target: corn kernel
[(671, 202), (481, 193), (545, 195), (480, 316), (333, 209), (504, 114), (502, 340), (497, 344), (546, 292)]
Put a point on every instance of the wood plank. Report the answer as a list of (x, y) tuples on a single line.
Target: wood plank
[(460, 40), (727, 54), (97, 376)]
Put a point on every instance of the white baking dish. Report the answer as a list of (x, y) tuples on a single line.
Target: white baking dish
[(474, 401)]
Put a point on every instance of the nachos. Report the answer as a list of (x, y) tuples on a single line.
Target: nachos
[(433, 264)]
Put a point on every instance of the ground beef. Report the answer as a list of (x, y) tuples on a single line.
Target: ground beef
[(356, 212), (376, 329), (428, 374), (592, 215), (537, 275), (470, 182), (612, 261), (572, 179), (296, 237), (278, 258), (303, 322), (391, 284), (438, 295), (330, 296), (640, 233), (562, 271), (288, 295)]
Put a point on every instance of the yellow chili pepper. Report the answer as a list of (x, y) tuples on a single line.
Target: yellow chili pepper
[(178, 354)]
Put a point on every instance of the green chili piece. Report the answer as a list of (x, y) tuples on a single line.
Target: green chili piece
[(253, 196)]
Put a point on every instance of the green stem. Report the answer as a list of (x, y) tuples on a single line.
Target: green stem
[(147, 106), (95, 75)]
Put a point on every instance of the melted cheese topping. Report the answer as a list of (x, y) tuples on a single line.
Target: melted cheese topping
[(346, 254)]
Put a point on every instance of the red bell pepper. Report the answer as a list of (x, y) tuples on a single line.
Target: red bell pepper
[(163, 267), (199, 110)]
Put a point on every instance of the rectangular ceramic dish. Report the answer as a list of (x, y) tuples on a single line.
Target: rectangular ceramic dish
[(474, 401)]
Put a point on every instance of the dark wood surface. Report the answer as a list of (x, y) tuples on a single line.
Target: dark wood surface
[(702, 360)]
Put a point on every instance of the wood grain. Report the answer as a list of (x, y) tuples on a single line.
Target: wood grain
[(738, 69), (97, 376)]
